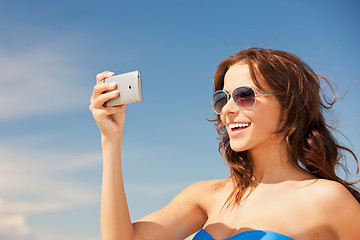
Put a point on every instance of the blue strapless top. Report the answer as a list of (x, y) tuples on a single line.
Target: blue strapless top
[(247, 235)]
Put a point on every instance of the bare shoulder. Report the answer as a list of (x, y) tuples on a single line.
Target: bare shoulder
[(334, 205), (327, 192)]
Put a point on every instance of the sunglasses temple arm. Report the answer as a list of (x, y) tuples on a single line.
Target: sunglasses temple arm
[(263, 95)]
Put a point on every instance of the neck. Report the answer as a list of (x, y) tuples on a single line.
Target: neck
[(272, 164)]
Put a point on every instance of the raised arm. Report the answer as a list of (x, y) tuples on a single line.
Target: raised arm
[(181, 217), (115, 218)]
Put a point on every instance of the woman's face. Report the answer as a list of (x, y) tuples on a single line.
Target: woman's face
[(259, 123)]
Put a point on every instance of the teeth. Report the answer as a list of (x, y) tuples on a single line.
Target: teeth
[(236, 125)]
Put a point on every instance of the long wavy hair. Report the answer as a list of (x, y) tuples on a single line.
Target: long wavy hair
[(297, 88)]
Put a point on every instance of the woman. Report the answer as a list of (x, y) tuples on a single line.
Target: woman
[(281, 155)]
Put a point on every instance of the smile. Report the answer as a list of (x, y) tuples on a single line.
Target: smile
[(235, 126)]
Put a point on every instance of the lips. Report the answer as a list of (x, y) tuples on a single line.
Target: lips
[(238, 125), (236, 128)]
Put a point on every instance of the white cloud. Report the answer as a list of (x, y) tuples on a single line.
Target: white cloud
[(34, 182), (25, 207), (14, 227), (41, 177), (37, 81), (64, 236)]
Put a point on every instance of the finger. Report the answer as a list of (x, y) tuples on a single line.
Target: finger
[(99, 101), (100, 88), (103, 75), (101, 114), (106, 111)]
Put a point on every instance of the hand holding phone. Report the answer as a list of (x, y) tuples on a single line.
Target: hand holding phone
[(129, 86)]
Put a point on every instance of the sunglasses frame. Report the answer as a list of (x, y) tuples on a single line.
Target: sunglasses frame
[(230, 95)]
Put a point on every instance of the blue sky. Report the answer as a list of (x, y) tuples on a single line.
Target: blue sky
[(50, 52)]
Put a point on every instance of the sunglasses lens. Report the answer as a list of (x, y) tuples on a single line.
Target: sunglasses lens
[(219, 99), (244, 97)]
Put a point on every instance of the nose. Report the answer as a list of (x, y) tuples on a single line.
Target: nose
[(230, 107)]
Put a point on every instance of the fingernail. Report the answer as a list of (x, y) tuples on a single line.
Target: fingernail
[(110, 73), (114, 92), (112, 85)]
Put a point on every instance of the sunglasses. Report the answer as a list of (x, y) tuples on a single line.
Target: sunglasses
[(244, 97)]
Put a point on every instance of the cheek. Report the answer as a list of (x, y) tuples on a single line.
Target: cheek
[(267, 118)]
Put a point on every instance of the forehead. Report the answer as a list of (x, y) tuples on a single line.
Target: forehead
[(238, 75)]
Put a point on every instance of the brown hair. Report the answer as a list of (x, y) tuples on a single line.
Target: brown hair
[(297, 88)]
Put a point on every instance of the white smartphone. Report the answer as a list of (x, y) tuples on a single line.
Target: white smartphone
[(129, 86)]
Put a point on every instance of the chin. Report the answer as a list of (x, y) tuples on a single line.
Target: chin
[(238, 147)]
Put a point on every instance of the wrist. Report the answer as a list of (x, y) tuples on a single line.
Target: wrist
[(111, 141), (111, 150)]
